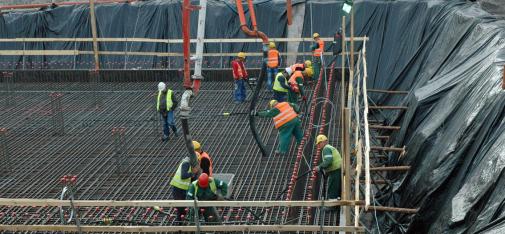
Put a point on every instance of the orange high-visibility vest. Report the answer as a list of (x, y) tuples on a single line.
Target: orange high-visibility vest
[(297, 65), (287, 114), (319, 50), (292, 81), (273, 58), (205, 156)]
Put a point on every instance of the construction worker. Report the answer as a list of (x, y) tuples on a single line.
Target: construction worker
[(182, 181), (274, 59), (337, 42), (330, 167), (240, 77), (296, 84), (166, 103), (286, 120), (203, 158), (317, 53), (309, 72), (207, 189), (281, 86)]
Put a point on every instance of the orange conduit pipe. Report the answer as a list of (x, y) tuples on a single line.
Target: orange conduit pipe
[(289, 12), (40, 5), (243, 23)]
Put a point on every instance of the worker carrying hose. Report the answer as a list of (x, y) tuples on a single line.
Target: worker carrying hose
[(281, 86), (296, 84), (240, 77), (330, 167), (203, 158), (286, 120), (181, 182), (165, 105), (207, 189), (274, 59), (317, 53)]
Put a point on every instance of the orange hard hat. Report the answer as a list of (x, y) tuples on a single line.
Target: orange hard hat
[(203, 180)]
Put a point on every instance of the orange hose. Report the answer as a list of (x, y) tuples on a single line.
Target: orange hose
[(289, 12), (243, 24), (252, 14)]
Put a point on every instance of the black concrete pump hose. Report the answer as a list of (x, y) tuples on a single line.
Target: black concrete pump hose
[(252, 107)]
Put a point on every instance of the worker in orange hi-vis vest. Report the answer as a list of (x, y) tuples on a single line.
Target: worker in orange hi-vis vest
[(240, 77), (317, 53), (274, 60), (286, 120)]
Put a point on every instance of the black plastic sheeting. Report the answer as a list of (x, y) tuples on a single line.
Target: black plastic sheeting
[(150, 19), (449, 54)]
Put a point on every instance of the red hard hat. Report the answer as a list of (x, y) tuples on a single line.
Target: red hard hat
[(203, 180)]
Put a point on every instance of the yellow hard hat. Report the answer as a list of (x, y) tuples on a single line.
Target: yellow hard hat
[(196, 145), (321, 138), (271, 45), (272, 103), (315, 35), (241, 55), (308, 63)]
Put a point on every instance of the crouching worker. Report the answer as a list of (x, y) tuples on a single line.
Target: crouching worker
[(207, 189)]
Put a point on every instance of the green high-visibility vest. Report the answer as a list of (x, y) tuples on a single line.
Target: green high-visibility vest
[(170, 103), (277, 85), (212, 185), (177, 181), (337, 159)]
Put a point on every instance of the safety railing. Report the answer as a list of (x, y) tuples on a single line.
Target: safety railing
[(169, 57)]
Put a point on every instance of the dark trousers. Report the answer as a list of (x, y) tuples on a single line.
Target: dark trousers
[(168, 122), (334, 187), (279, 96), (179, 194)]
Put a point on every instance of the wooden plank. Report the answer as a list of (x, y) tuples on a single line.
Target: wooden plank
[(174, 203), (347, 164), (38, 52), (94, 33), (382, 127), (131, 53), (393, 168), (388, 107), (205, 228), (388, 91), (384, 148), (392, 209), (170, 41), (367, 130)]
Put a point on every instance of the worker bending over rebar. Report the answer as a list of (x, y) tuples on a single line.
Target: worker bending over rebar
[(281, 87), (286, 120), (181, 182), (207, 189)]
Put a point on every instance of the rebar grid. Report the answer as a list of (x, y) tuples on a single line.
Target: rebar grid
[(88, 151)]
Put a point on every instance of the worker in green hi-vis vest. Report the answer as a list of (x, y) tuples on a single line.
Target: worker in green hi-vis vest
[(207, 189), (330, 167)]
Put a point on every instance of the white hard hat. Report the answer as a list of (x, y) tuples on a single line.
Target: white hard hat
[(162, 86), (289, 70)]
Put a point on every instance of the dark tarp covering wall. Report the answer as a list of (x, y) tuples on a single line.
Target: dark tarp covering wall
[(449, 54), (150, 19)]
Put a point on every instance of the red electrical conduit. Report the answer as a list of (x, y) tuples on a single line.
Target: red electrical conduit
[(305, 138), (315, 160), (39, 5)]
